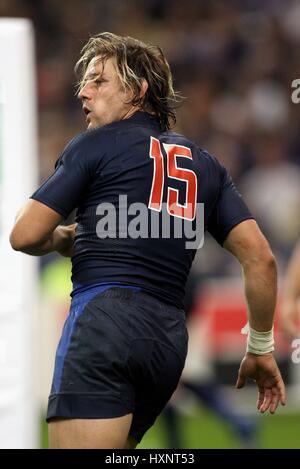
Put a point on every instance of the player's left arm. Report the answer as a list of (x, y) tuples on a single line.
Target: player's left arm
[(37, 232)]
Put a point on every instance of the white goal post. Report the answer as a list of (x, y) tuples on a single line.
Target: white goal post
[(18, 273)]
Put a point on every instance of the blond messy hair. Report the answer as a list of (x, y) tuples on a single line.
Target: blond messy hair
[(135, 62)]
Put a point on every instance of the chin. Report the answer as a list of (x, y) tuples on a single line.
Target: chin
[(94, 125)]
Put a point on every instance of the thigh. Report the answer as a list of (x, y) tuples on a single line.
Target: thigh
[(125, 353), (157, 370), (89, 433), (156, 359), (90, 372)]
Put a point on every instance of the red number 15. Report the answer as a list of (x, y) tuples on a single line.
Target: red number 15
[(188, 210)]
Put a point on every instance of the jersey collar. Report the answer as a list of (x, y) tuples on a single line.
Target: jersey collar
[(142, 117)]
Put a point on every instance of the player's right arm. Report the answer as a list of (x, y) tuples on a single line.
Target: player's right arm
[(37, 230), (246, 242), (232, 225)]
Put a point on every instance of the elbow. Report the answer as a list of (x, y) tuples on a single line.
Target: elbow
[(266, 258), (270, 262), (16, 241), (262, 258), (20, 241), (266, 266)]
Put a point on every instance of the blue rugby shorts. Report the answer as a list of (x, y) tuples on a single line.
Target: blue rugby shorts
[(121, 351)]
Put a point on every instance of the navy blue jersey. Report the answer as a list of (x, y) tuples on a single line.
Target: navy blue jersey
[(131, 162)]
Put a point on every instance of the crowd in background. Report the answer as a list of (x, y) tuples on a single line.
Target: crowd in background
[(233, 60)]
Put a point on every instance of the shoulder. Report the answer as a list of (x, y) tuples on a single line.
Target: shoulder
[(199, 153), (87, 147), (90, 138)]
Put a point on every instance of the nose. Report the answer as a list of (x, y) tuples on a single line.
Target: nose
[(85, 92)]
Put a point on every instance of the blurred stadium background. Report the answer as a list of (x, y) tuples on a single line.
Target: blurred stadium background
[(234, 61)]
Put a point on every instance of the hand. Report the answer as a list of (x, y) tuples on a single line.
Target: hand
[(63, 239), (264, 371)]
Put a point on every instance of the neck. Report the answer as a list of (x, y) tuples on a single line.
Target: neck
[(130, 112)]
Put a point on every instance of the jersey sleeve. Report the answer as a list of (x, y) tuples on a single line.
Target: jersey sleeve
[(64, 189), (229, 210)]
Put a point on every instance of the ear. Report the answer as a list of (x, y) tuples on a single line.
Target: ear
[(144, 87)]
